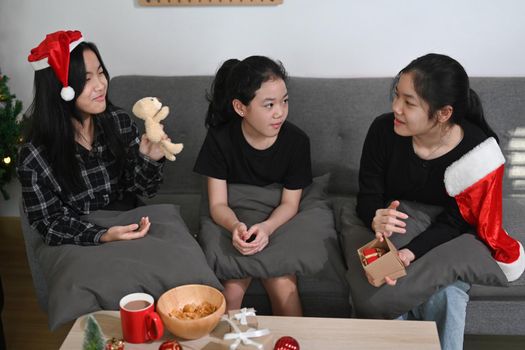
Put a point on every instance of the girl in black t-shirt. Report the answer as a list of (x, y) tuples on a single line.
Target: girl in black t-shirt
[(250, 142)]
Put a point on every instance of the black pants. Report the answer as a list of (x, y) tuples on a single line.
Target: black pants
[(2, 339)]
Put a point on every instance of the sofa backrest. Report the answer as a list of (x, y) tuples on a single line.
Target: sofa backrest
[(335, 113)]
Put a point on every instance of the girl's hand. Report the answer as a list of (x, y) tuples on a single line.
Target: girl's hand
[(239, 230), (150, 149), (261, 238), (406, 257), (128, 232), (387, 221), (239, 237)]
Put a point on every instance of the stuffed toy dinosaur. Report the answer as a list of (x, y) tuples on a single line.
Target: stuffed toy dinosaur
[(150, 110)]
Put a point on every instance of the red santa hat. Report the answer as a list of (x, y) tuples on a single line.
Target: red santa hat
[(54, 52), (475, 181)]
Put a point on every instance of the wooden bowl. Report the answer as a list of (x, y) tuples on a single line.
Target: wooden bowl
[(177, 298)]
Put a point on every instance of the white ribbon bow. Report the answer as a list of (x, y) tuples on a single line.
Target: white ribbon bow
[(243, 314), (244, 337)]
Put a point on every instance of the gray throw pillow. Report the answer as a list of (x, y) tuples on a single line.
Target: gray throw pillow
[(84, 279), (305, 245), (464, 258)]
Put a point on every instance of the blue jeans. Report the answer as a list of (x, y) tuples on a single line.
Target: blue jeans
[(448, 309)]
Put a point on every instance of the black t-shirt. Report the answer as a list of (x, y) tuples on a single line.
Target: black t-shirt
[(390, 169), (226, 155)]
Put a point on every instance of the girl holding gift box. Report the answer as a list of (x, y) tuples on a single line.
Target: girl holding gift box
[(250, 142), (437, 148), (81, 152)]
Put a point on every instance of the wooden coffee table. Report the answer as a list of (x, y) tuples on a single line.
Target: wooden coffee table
[(311, 332)]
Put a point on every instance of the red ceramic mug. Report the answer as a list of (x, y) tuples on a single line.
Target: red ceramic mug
[(140, 322)]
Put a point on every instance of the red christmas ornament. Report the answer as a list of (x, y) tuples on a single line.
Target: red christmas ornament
[(371, 254), (115, 344), (286, 343), (170, 345)]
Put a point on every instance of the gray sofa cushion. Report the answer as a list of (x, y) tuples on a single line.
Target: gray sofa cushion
[(33, 240), (83, 279), (464, 258), (305, 245)]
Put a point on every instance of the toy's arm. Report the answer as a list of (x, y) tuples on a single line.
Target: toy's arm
[(161, 114)]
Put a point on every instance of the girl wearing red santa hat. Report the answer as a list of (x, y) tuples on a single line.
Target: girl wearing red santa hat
[(81, 152), (437, 148)]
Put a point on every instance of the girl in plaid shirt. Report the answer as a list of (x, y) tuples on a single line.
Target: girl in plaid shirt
[(81, 153)]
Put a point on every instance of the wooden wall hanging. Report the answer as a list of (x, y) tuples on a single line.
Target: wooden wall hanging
[(209, 2)]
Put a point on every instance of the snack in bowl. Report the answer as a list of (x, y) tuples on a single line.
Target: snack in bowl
[(193, 311), (186, 300)]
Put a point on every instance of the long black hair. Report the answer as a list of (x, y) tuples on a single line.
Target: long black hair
[(440, 81), (50, 122), (239, 80)]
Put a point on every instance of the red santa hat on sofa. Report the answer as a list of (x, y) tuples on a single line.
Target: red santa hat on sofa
[(475, 181), (54, 52)]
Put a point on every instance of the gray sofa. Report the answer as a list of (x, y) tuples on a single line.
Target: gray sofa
[(336, 113)]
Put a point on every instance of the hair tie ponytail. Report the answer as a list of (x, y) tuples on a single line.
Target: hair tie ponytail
[(219, 108), (476, 115), (474, 102)]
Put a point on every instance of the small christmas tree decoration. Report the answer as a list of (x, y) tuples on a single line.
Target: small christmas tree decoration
[(10, 108), (93, 337)]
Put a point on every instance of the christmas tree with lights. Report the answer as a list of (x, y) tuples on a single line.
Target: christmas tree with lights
[(10, 128)]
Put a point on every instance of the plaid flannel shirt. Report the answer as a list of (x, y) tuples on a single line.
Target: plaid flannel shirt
[(56, 213)]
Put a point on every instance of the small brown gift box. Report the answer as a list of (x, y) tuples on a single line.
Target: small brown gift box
[(266, 341), (226, 329), (387, 264), (244, 318)]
